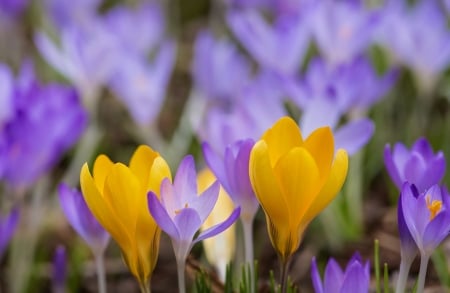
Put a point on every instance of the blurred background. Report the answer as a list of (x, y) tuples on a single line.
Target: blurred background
[(80, 78)]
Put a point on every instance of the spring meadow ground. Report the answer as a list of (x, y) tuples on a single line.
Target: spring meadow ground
[(326, 123)]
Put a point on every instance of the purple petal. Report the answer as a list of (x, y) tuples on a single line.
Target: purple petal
[(161, 216), (423, 147), (434, 172), (205, 202), (315, 276), (185, 182), (187, 222), (333, 277), (391, 167), (436, 231), (319, 112), (215, 163), (355, 279), (216, 229), (414, 169), (408, 245), (354, 135), (7, 227)]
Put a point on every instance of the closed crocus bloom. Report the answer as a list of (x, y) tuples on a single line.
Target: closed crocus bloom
[(219, 249), (294, 180), (117, 196), (419, 165), (356, 277)]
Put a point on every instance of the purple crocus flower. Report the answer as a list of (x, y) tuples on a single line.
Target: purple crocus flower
[(65, 12), (231, 171), (418, 37), (142, 86), (12, 8), (59, 270), (427, 216), (8, 225), (49, 114), (181, 212), (81, 219), (343, 30), (355, 278), (419, 166), (6, 94), (219, 70), (280, 46)]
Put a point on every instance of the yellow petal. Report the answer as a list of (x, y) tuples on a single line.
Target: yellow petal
[(332, 186), (101, 209), (159, 171), (283, 136), (299, 179), (266, 186), (102, 166), (122, 192), (321, 146), (141, 163)]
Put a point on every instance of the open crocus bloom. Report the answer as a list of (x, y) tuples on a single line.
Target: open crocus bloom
[(356, 277), (294, 180), (181, 210), (117, 196), (427, 216)]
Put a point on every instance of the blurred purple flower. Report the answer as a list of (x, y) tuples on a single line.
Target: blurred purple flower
[(280, 46), (6, 94), (419, 166), (339, 84), (418, 37), (59, 270), (8, 225), (142, 86), (81, 219), (427, 216), (408, 247), (343, 30), (231, 170), (47, 120), (255, 109), (219, 70), (65, 12), (12, 8), (87, 56), (356, 277), (181, 211), (138, 30)]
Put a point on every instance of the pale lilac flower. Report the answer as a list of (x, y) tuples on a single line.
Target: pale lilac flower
[(181, 211), (6, 94), (231, 170), (418, 37), (8, 225), (355, 278), (419, 165), (65, 12), (47, 121), (219, 70), (280, 46), (81, 219), (86, 57), (12, 8), (141, 85), (256, 108), (343, 30)]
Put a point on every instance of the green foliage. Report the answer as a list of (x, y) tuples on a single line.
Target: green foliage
[(202, 283)]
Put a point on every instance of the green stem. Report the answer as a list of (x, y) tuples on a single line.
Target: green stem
[(377, 266), (101, 276), (422, 272)]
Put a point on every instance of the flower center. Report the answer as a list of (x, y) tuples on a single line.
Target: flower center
[(179, 210), (434, 207)]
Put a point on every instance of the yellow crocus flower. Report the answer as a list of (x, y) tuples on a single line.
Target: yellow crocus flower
[(294, 180), (117, 196), (219, 249)]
